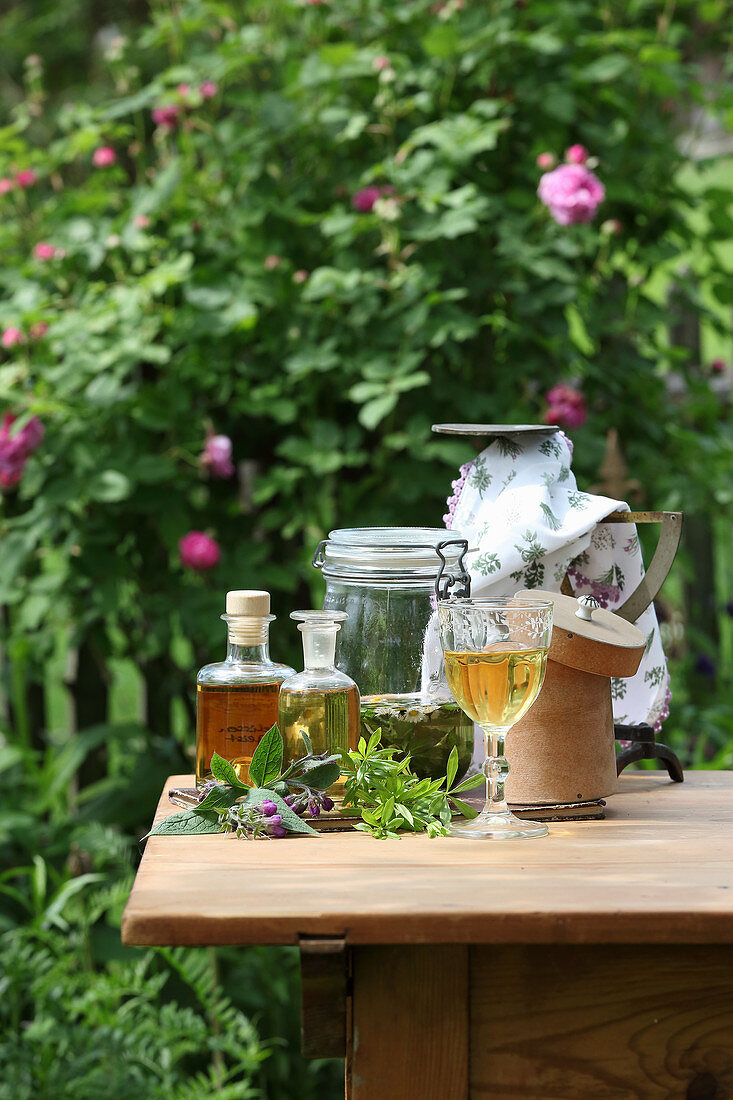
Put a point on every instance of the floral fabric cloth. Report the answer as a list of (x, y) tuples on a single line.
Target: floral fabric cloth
[(527, 524)]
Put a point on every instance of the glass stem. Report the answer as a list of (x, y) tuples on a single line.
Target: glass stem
[(496, 770)]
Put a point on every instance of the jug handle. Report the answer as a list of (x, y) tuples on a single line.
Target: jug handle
[(659, 566)]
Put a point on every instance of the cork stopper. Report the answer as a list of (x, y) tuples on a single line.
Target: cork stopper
[(248, 616), (250, 602)]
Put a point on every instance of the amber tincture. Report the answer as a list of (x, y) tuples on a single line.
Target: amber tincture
[(237, 699)]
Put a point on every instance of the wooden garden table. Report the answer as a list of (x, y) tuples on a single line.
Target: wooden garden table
[(596, 962)]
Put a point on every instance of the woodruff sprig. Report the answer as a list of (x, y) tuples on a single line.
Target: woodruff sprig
[(389, 797)]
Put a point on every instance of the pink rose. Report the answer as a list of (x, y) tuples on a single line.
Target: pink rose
[(45, 251), (572, 193), (104, 156), (300, 276), (217, 456), (381, 63), (183, 89), (15, 448), (546, 160), (271, 262), (26, 178), (39, 330), (364, 200), (208, 89), (11, 337), (6, 185), (717, 366), (566, 406), (198, 551), (576, 154), (166, 116), (141, 221)]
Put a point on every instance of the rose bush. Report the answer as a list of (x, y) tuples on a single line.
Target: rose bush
[(311, 230)]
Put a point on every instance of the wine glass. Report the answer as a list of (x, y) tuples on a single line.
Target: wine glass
[(495, 651)]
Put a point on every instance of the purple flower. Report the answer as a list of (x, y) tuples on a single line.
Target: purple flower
[(274, 821), (704, 665), (269, 808), (327, 803), (289, 799), (278, 830), (198, 551), (217, 456), (572, 193), (313, 808)]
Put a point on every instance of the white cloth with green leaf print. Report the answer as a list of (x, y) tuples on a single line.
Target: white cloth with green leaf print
[(527, 525)]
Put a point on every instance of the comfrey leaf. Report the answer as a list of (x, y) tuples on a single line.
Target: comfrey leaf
[(219, 798), (290, 819), (320, 774), (267, 760), (185, 823), (222, 770)]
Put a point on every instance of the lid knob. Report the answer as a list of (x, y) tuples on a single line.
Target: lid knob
[(586, 606)]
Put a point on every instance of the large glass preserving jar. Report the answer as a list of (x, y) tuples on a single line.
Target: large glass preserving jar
[(386, 580)]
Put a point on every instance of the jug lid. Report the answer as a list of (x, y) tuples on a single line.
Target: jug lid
[(591, 639), (495, 429)]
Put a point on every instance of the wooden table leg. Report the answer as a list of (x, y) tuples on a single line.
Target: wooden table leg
[(410, 1023), (612, 1021)]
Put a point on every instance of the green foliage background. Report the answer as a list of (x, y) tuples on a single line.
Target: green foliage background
[(458, 299)]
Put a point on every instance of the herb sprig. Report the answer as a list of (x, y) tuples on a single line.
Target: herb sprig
[(272, 805), (389, 797)]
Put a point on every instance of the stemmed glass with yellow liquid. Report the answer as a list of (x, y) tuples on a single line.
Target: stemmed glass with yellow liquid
[(495, 651)]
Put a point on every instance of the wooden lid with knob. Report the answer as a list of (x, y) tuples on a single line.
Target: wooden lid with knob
[(586, 637)]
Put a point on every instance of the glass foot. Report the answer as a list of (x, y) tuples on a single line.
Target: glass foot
[(503, 826)]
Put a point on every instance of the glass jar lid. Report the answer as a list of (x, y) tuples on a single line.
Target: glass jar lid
[(400, 554)]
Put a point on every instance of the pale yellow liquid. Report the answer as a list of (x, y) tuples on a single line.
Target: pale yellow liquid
[(497, 686), (331, 720)]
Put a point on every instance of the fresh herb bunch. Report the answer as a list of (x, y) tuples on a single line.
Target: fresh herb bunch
[(389, 797), (273, 805)]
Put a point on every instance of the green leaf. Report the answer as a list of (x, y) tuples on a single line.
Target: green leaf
[(219, 798), (307, 742), (471, 782), (109, 486), (452, 768), (291, 821), (222, 770), (267, 759), (466, 810), (184, 823), (605, 68), (375, 411), (442, 41), (321, 774)]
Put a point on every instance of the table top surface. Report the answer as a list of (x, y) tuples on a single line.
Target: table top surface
[(659, 869)]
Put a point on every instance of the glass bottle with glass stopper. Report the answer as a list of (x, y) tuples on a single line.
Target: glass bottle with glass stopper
[(320, 702), (236, 699)]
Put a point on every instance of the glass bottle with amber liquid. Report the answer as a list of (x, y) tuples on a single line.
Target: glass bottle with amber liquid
[(237, 699), (320, 701)]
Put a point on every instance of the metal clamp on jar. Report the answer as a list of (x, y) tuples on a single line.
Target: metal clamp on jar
[(386, 579)]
